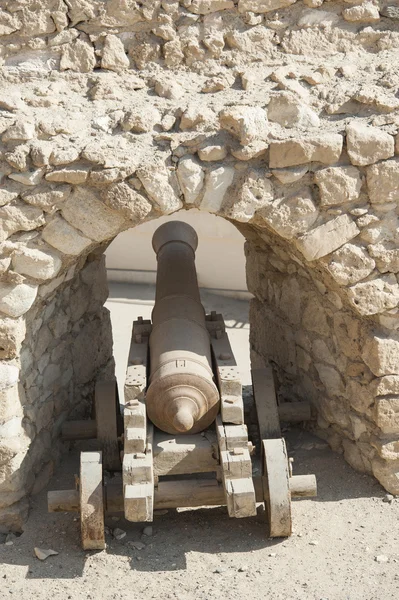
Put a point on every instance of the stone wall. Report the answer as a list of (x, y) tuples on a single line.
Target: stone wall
[(281, 116)]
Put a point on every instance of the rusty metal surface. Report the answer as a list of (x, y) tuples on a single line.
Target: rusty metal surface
[(182, 396)]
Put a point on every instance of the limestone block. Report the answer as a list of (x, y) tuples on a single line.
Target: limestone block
[(364, 13), (84, 211), (381, 354), (367, 145), (359, 396), (16, 299), (6, 196), (74, 175), (386, 257), (13, 517), (62, 236), (161, 187), (47, 199), (172, 90), (204, 7), (114, 57), (19, 157), (353, 455), (314, 317), (256, 193), (11, 100), (40, 152), (29, 177), (386, 471), (385, 386), (10, 403), (217, 182), (9, 375), (289, 111), (19, 217), (22, 131), (262, 6), (347, 334), (327, 237), (141, 122), (292, 216), (321, 351), (338, 185), (196, 115), (191, 178), (350, 264), (247, 123), (289, 153), (383, 182), (36, 263), (211, 153), (387, 414), (314, 18), (376, 296), (12, 334), (124, 199), (78, 56), (290, 174)]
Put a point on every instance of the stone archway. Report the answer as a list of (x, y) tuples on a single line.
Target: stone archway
[(112, 115)]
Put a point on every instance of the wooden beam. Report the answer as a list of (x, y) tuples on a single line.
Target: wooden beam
[(266, 403)]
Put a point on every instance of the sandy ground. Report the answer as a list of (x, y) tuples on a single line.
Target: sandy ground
[(202, 554)]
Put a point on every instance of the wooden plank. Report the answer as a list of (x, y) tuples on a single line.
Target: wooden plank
[(236, 463), (185, 454), (106, 407), (91, 501), (236, 436), (134, 440), (240, 495), (228, 380), (139, 502), (276, 487), (178, 493), (266, 403)]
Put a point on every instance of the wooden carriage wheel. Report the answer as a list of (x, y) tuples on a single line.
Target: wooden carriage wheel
[(91, 501), (276, 488), (107, 410)]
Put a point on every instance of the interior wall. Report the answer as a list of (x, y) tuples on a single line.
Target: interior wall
[(130, 257)]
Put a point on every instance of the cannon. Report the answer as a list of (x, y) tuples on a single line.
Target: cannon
[(182, 415)]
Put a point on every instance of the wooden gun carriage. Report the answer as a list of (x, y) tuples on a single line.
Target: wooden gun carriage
[(179, 439)]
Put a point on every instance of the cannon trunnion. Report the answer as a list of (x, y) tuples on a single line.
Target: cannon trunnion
[(182, 415)]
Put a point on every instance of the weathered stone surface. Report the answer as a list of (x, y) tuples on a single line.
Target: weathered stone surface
[(256, 193), (212, 153), (350, 264), (62, 236), (203, 7), (78, 56), (376, 296), (367, 144), (36, 263), (293, 216), (124, 199), (263, 6), (6, 197), (386, 257), (314, 317), (160, 187), (19, 217), (290, 174), (22, 131), (73, 175), (327, 237), (381, 355), (338, 185), (383, 182), (385, 386), (48, 200), (288, 153), (387, 414), (247, 123), (364, 13), (28, 178), (331, 379), (191, 178), (16, 299), (289, 111), (114, 57), (84, 211), (139, 122), (217, 182), (12, 334), (9, 375)]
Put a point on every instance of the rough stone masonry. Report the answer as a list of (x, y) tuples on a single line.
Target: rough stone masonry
[(280, 116)]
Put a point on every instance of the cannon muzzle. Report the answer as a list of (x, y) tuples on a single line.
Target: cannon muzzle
[(182, 396)]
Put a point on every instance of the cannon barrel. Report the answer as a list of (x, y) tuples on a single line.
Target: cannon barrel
[(182, 396)]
